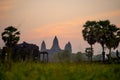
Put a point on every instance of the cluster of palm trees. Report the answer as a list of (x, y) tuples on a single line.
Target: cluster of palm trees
[(102, 32)]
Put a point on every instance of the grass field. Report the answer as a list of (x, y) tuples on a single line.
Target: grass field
[(58, 71)]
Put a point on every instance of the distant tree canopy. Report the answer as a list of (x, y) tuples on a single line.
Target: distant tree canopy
[(102, 32)]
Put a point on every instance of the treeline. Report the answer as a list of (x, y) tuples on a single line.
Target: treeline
[(102, 32)]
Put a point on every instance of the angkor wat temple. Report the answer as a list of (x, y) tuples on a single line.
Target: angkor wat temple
[(29, 52), (55, 48)]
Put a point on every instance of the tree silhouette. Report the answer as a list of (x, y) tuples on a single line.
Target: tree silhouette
[(89, 34), (89, 53), (10, 37), (113, 38), (107, 36), (102, 34)]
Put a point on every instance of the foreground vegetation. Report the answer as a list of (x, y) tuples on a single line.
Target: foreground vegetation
[(60, 71)]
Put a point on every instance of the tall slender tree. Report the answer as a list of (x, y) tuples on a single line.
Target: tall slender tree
[(89, 34), (10, 37), (113, 38), (102, 34), (107, 35)]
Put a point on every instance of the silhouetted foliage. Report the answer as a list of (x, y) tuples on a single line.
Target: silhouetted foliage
[(89, 33), (107, 36), (10, 37), (26, 52), (102, 32), (89, 53)]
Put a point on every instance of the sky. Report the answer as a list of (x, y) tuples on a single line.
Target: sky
[(39, 20)]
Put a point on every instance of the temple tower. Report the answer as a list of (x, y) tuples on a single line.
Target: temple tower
[(43, 46), (55, 46)]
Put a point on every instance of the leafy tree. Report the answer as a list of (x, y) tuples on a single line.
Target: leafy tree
[(89, 34), (10, 37)]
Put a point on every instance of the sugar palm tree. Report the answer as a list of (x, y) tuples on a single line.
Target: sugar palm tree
[(10, 37), (113, 38), (89, 34), (102, 34)]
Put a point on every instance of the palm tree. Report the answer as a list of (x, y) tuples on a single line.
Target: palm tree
[(107, 35), (10, 37), (89, 34), (113, 38), (102, 34)]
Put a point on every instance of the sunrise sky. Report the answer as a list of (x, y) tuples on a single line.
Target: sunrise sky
[(39, 20)]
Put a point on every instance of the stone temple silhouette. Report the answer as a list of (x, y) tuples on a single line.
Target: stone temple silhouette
[(55, 48)]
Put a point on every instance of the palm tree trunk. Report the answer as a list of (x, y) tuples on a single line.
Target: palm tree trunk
[(110, 59), (9, 55), (103, 53), (91, 53)]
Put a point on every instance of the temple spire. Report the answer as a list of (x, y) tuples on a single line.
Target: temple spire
[(55, 45), (43, 46)]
